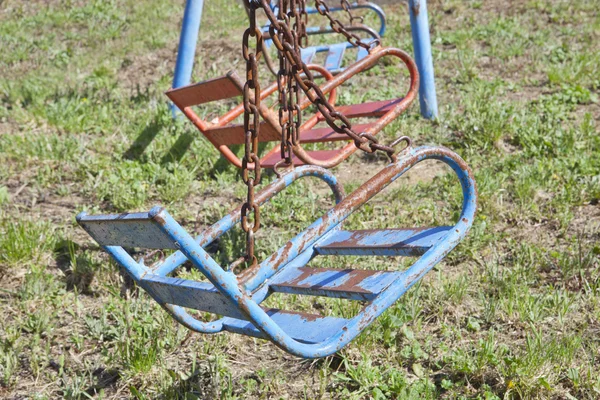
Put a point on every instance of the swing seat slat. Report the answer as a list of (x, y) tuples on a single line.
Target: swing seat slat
[(201, 296), (335, 55), (321, 135), (371, 109), (308, 54), (382, 242), (126, 230), (234, 134), (351, 284), (221, 88)]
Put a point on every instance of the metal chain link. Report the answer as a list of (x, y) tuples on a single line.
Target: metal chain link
[(302, 22), (284, 39), (286, 84), (338, 27), (252, 130), (346, 7)]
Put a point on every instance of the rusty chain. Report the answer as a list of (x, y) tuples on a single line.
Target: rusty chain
[(302, 21), (294, 112), (282, 88), (252, 129), (289, 13), (293, 72), (338, 27), (346, 7), (284, 40)]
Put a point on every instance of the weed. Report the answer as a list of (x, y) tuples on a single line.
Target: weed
[(24, 241)]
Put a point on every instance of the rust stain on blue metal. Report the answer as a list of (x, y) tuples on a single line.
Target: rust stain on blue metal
[(416, 7)]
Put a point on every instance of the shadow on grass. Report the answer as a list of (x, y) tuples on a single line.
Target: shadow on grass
[(106, 378), (201, 383), (139, 146), (178, 150), (76, 264), (222, 164)]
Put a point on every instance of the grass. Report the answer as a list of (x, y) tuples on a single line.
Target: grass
[(512, 313)]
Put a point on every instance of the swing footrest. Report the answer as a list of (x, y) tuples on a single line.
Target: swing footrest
[(382, 242), (202, 296), (352, 284), (306, 328)]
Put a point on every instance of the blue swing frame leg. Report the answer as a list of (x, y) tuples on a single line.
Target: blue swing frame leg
[(419, 24), (186, 52)]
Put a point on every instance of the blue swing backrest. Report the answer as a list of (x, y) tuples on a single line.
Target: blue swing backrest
[(335, 52)]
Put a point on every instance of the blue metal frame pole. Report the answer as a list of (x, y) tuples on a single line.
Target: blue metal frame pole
[(187, 45), (422, 43)]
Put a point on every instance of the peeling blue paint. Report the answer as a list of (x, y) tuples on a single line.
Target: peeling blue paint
[(239, 298)]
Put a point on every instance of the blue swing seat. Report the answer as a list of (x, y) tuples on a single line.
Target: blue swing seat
[(237, 298)]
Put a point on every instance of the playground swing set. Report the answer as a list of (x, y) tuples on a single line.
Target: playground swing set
[(236, 297)]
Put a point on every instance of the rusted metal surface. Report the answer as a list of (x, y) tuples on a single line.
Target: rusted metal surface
[(383, 242), (215, 89), (250, 211), (416, 7), (308, 336), (283, 38), (294, 73), (349, 284)]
